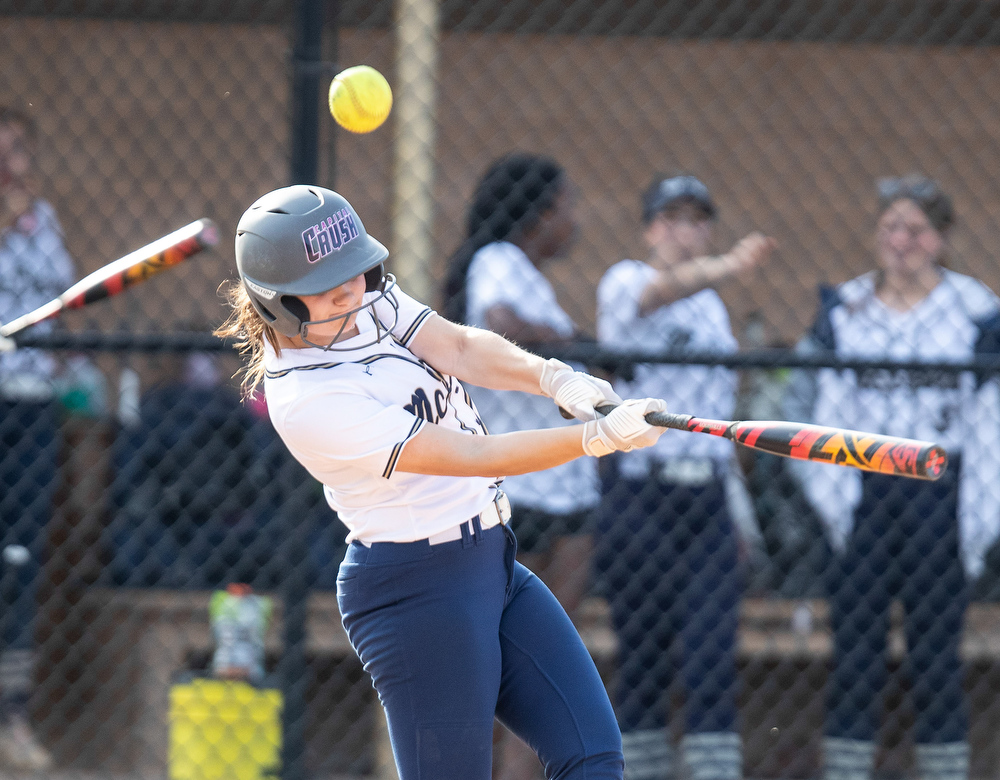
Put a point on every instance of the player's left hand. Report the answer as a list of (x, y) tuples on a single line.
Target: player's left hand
[(575, 392), (624, 429)]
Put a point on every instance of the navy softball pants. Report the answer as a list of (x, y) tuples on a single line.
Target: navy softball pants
[(904, 546), (456, 634)]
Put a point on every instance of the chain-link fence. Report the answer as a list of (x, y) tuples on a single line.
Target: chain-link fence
[(751, 616)]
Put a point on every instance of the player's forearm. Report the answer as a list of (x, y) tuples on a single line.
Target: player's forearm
[(523, 452), (681, 280), (447, 453)]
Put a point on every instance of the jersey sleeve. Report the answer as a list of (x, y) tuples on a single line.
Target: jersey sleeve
[(409, 315), (979, 488), (493, 280), (352, 430), (618, 305)]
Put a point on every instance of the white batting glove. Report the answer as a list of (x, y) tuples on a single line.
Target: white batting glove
[(574, 391), (624, 430)]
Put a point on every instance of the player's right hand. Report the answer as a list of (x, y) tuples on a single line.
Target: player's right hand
[(577, 393), (623, 430)]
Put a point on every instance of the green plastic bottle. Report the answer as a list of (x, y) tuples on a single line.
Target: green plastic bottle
[(239, 622)]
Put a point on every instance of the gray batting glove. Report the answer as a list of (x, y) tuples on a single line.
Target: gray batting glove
[(7, 345), (575, 392), (624, 430)]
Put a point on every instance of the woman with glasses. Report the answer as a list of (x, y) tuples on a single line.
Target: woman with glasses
[(920, 543)]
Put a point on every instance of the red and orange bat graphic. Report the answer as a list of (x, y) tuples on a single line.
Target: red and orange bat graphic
[(114, 277), (802, 441)]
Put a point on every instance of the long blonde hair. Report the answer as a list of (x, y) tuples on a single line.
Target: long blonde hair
[(250, 331)]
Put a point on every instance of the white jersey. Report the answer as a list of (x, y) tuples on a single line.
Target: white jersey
[(698, 323), (944, 408), (347, 415), (34, 269), (500, 274)]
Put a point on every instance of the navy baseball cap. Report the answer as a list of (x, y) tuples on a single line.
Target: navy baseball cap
[(665, 192)]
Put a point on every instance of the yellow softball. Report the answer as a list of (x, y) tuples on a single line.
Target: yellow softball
[(360, 99)]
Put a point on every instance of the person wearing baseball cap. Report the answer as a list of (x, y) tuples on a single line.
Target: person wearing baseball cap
[(668, 193), (675, 497)]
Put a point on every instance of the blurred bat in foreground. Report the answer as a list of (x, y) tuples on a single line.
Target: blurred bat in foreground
[(116, 276)]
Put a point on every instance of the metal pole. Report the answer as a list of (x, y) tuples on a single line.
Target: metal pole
[(331, 56), (307, 70), (415, 109), (307, 65), (293, 668)]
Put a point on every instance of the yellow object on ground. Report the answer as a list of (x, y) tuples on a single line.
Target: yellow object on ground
[(224, 730)]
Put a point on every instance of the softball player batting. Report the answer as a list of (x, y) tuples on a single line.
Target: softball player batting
[(363, 384)]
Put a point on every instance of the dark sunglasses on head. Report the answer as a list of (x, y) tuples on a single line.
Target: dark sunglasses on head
[(920, 190)]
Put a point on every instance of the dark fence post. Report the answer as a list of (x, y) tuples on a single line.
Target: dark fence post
[(307, 66), (293, 667), (307, 69)]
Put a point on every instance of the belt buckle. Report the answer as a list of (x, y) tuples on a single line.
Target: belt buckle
[(502, 504)]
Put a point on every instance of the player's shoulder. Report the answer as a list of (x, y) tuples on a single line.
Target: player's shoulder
[(625, 273), (498, 253), (306, 380), (40, 221), (708, 299), (502, 269), (627, 268), (978, 300), (852, 291), (45, 211), (398, 313), (311, 365), (302, 409)]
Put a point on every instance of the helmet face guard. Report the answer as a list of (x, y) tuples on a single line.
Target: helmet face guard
[(386, 284), (305, 240)]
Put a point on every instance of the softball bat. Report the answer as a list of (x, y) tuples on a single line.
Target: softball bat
[(819, 443), (125, 272)]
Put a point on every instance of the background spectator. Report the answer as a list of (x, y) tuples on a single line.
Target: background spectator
[(667, 548), (521, 218), (34, 268), (901, 538), (794, 552)]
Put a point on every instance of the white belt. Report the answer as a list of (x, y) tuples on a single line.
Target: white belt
[(496, 513), (23, 387), (687, 472)]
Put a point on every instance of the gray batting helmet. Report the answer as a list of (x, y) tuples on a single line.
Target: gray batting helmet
[(303, 240)]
